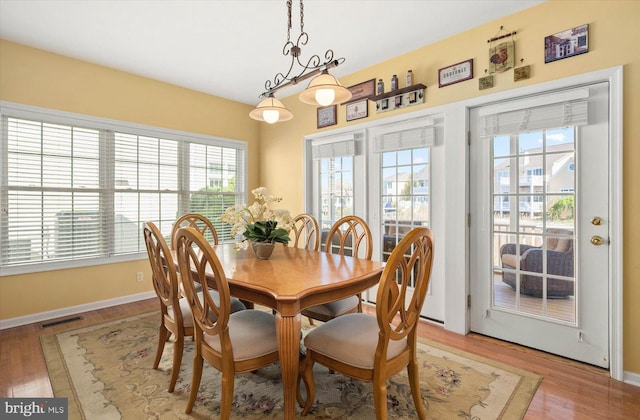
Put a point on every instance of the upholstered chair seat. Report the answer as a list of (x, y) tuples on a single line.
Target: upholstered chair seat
[(333, 309), (252, 334), (352, 339), (187, 319)]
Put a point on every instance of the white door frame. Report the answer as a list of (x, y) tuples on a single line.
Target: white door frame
[(456, 172), (614, 77)]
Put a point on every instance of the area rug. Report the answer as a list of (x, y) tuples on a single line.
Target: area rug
[(105, 372)]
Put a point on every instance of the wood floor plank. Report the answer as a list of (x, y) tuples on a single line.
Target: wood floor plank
[(569, 390)]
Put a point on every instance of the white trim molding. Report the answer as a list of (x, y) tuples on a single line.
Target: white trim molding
[(631, 378), (73, 310)]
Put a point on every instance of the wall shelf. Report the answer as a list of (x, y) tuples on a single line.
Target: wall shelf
[(399, 98)]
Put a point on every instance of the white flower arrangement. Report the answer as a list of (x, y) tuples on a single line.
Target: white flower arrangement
[(258, 222)]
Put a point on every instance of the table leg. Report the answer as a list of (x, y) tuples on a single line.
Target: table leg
[(288, 330)]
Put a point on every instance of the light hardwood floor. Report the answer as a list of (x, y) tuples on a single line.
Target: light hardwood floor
[(569, 390)]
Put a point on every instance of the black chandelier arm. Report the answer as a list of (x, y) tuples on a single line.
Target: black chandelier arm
[(280, 81), (314, 63), (303, 38)]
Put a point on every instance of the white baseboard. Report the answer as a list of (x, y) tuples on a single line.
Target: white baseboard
[(631, 378), (72, 310)]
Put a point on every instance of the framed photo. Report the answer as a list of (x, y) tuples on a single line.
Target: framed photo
[(485, 82), (327, 115), (521, 73), (357, 110), (456, 73), (502, 57), (566, 44), (362, 90)]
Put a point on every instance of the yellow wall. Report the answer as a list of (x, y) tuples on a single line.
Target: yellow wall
[(35, 77), (39, 78), (614, 36)]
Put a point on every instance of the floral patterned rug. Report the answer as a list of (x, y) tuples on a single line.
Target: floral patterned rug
[(105, 372)]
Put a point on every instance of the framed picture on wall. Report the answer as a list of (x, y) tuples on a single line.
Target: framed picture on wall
[(327, 115), (566, 44), (362, 90), (357, 110), (456, 73)]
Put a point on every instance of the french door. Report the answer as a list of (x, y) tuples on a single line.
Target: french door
[(539, 237), (385, 175)]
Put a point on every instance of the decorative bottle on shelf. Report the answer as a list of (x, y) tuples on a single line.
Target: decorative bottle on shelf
[(380, 89), (394, 82), (410, 78)]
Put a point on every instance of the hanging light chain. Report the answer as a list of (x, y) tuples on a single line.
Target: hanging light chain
[(301, 17), (289, 21), (313, 66)]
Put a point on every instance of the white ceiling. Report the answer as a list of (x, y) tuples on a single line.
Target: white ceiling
[(229, 48)]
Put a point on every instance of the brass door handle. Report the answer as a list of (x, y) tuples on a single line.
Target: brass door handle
[(597, 240), (596, 221)]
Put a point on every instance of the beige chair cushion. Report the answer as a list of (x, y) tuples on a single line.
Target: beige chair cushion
[(559, 244), (252, 333), (187, 319), (511, 260), (351, 339), (333, 309), (563, 244)]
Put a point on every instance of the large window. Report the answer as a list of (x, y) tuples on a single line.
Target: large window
[(76, 190)]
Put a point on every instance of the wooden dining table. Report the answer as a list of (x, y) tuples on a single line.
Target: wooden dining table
[(291, 280)]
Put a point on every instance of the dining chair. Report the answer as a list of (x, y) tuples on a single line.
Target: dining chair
[(232, 343), (166, 284), (203, 225), (350, 236), (375, 348), (305, 232), (196, 221)]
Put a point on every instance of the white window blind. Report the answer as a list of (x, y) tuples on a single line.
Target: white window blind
[(556, 110), (51, 189), (214, 173), (337, 146), (79, 195), (406, 139)]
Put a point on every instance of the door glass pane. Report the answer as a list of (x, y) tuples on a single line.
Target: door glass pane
[(405, 194), (336, 192), (534, 223)]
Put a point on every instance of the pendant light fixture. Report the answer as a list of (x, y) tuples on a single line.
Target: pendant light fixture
[(323, 90), (271, 110)]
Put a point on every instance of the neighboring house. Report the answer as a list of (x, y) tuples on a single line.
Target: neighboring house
[(531, 180)]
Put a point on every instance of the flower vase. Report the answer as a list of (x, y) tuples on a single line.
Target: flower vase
[(262, 250)]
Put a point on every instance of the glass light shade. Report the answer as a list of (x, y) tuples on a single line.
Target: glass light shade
[(271, 110), (325, 96), (270, 115), (324, 82)]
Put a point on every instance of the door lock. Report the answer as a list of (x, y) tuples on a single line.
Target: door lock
[(596, 221), (597, 240)]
